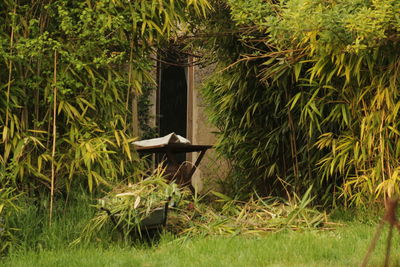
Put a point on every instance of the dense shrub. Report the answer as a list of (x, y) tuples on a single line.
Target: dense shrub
[(72, 73), (306, 92)]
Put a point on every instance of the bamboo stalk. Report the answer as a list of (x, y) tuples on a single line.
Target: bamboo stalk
[(129, 76), (381, 150), (42, 27), (53, 152), (134, 103), (293, 146), (135, 118), (5, 137)]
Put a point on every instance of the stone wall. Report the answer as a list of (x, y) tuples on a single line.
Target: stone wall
[(212, 168)]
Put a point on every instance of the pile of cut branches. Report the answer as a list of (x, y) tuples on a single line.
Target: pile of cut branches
[(254, 217), (127, 205)]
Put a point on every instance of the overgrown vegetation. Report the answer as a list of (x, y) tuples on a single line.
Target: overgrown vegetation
[(124, 211), (307, 92), (82, 222), (72, 74), (7, 207), (305, 95), (145, 115)]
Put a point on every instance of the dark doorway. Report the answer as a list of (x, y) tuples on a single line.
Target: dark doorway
[(173, 95)]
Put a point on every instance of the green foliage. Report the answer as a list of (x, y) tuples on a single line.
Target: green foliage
[(124, 210), (33, 229), (306, 92), (7, 207), (93, 57), (145, 112), (126, 207), (71, 74)]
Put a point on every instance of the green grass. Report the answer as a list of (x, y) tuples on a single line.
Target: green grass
[(41, 245), (345, 246)]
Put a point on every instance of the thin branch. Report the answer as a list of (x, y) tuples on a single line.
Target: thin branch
[(199, 62), (249, 58)]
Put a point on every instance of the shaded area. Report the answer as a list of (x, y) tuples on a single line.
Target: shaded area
[(173, 97)]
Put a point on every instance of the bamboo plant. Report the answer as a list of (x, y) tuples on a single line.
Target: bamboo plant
[(307, 93), (71, 73)]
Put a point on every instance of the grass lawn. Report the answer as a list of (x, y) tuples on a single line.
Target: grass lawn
[(345, 246)]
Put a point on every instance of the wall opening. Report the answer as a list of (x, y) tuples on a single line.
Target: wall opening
[(173, 95)]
